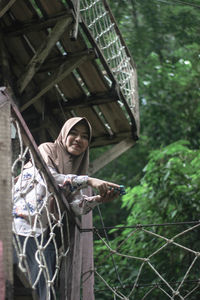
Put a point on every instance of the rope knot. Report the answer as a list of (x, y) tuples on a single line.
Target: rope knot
[(175, 293), (50, 283), (41, 266), (170, 241), (22, 255), (52, 234), (139, 226), (59, 223), (113, 251)]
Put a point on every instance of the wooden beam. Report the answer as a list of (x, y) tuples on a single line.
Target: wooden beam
[(97, 99), (43, 51), (110, 155), (4, 63), (6, 253), (74, 33), (87, 257), (107, 139), (5, 5), (55, 62), (34, 25), (64, 70)]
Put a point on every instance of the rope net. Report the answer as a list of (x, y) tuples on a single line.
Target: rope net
[(147, 264), (103, 30), (40, 216)]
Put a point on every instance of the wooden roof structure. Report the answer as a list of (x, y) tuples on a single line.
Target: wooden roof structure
[(56, 68)]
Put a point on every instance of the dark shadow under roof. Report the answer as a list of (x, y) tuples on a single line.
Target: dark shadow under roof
[(58, 68)]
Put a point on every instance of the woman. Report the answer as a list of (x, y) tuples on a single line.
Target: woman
[(67, 159)]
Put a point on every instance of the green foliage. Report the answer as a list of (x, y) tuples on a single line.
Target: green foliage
[(168, 192), (162, 172)]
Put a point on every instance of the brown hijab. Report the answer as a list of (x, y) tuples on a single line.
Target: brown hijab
[(55, 154)]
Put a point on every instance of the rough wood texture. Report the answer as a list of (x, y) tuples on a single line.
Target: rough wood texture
[(65, 69), (87, 259), (43, 52), (2, 275), (31, 26), (5, 5), (5, 188)]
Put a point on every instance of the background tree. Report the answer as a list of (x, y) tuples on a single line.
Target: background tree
[(162, 38), (161, 173), (168, 192)]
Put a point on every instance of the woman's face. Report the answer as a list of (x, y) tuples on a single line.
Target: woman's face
[(77, 139)]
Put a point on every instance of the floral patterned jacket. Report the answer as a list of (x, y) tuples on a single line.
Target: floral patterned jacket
[(31, 199)]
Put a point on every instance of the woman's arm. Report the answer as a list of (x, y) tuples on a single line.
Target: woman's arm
[(70, 181), (105, 188)]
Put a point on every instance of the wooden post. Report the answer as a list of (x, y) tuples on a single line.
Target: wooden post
[(87, 259), (70, 274), (6, 263)]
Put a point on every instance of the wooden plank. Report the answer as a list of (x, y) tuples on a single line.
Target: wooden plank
[(15, 48), (5, 5), (71, 88), (96, 123), (24, 12), (93, 78), (115, 117), (34, 25), (50, 7), (104, 140), (110, 155), (43, 52), (89, 71), (87, 259), (65, 69), (87, 101), (5, 193), (56, 61), (53, 94), (2, 275)]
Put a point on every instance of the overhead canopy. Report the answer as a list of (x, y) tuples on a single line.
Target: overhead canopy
[(67, 58)]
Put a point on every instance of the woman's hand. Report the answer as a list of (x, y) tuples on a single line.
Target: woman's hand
[(105, 188), (109, 196)]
